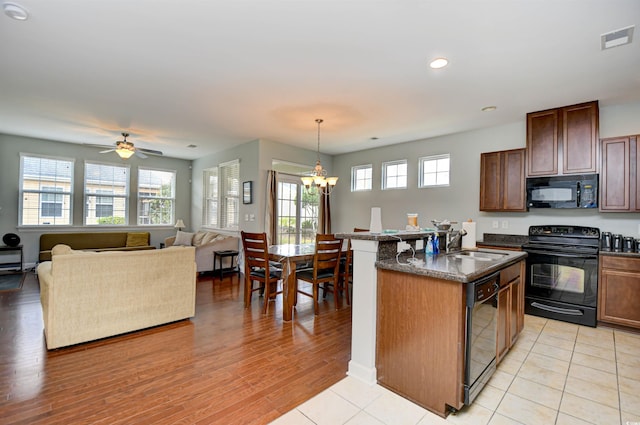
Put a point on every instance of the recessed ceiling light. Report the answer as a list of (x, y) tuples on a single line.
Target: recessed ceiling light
[(374, 138), (192, 146), (489, 108), (15, 11), (439, 63)]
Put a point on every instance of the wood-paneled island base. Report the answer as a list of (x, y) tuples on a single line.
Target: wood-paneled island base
[(422, 320)]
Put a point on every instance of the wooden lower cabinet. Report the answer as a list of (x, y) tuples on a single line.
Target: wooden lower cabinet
[(619, 291), (421, 321), (420, 339), (510, 308)]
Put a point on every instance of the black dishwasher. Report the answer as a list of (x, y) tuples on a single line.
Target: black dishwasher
[(481, 334)]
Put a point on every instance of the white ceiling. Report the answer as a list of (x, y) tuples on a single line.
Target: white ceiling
[(221, 73)]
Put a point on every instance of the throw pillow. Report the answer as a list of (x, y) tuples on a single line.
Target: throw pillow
[(209, 237), (61, 249), (197, 238), (137, 239), (183, 238)]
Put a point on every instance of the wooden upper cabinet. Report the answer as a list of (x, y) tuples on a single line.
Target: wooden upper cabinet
[(566, 136), (619, 185), (502, 181), (542, 142)]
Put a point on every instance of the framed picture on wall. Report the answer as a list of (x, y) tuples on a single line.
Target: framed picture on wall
[(246, 192)]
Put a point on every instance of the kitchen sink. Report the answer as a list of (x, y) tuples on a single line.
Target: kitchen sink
[(478, 255)]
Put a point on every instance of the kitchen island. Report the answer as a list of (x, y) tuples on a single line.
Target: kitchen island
[(409, 321), (436, 345)]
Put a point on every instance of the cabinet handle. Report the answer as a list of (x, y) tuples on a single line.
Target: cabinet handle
[(559, 310)]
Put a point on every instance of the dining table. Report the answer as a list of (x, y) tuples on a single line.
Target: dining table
[(289, 255)]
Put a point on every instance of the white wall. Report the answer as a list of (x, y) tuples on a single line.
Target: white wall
[(10, 148), (460, 201), (255, 161)]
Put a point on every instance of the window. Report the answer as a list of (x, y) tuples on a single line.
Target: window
[(361, 177), (156, 196), (46, 191), (434, 171), (298, 211), (106, 194), (394, 174), (222, 196)]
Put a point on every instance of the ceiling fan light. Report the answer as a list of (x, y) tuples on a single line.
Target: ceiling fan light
[(124, 153)]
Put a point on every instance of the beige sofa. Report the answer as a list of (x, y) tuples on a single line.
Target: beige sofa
[(205, 243), (91, 295)]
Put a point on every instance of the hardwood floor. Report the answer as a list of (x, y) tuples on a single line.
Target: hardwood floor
[(227, 365)]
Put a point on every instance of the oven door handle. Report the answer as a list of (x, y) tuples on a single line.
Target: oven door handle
[(567, 311), (559, 254)]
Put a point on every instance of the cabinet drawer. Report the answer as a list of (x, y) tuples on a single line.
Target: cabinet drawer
[(624, 263), (509, 274)]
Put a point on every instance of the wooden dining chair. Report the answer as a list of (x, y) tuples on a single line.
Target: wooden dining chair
[(346, 266), (257, 268), (326, 264)]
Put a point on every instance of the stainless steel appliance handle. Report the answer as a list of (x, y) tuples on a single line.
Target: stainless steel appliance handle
[(571, 312), (578, 194), (558, 254)]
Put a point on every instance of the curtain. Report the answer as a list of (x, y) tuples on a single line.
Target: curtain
[(270, 218), (325, 214)]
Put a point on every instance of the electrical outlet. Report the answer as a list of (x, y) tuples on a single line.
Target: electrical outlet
[(495, 224), (639, 229), (505, 224), (419, 244), (252, 217), (403, 246)]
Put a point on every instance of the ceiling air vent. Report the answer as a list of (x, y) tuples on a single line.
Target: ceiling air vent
[(616, 38)]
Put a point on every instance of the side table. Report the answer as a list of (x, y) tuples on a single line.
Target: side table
[(13, 264), (224, 254)]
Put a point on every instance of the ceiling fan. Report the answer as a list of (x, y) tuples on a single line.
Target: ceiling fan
[(126, 149)]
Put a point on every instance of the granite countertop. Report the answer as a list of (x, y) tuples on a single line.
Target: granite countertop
[(453, 266), (386, 236)]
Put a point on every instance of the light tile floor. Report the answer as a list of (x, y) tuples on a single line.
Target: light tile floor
[(556, 373)]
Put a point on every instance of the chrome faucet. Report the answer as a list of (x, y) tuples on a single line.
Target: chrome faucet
[(455, 241)]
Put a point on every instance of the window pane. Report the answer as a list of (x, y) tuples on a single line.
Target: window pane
[(156, 197), (361, 177), (395, 174), (297, 220), (222, 196), (434, 170), (46, 189), (111, 182)]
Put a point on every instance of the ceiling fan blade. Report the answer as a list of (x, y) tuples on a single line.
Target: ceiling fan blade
[(108, 150), (149, 151), (140, 154)]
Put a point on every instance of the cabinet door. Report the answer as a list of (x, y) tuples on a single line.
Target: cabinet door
[(580, 138), (513, 181), (615, 191), (542, 143), (503, 337), (490, 176), (619, 297), (502, 181)]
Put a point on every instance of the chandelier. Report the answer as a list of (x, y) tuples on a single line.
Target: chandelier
[(317, 179)]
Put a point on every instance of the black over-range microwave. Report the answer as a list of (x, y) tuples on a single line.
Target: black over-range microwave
[(570, 191)]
